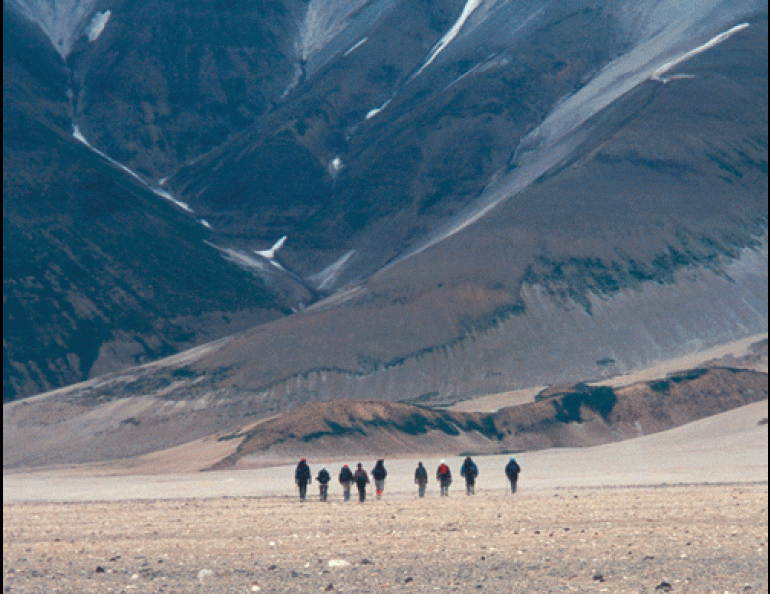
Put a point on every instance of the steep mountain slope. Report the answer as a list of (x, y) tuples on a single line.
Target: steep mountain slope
[(647, 243), (98, 272), (470, 196)]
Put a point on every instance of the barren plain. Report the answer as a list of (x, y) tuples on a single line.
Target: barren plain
[(684, 510)]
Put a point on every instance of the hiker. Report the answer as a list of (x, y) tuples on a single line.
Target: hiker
[(421, 479), (444, 478), (512, 470), (362, 479), (469, 471), (302, 478), (378, 474), (346, 480), (323, 479)]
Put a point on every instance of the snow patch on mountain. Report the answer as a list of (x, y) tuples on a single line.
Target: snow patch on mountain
[(559, 134), (326, 278), (324, 20), (356, 46), (97, 24), (167, 196), (270, 253), (61, 20), (240, 258), (468, 9), (373, 112), (716, 40), (78, 135)]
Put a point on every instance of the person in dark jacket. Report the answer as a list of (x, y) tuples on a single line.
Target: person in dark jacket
[(323, 479), (444, 478), (378, 474), (512, 470), (346, 480), (421, 479), (302, 477), (469, 471), (362, 479)]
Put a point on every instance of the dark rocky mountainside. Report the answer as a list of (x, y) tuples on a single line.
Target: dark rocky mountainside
[(462, 197), (98, 273)]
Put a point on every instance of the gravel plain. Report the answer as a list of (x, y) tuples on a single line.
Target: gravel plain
[(696, 538)]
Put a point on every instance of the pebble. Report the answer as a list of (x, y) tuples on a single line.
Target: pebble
[(338, 563)]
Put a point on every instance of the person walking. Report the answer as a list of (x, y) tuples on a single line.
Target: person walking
[(302, 477), (421, 479), (323, 479), (444, 478), (469, 471), (512, 470), (362, 479), (378, 474), (346, 480)]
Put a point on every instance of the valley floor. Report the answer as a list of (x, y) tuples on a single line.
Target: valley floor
[(708, 538), (684, 510)]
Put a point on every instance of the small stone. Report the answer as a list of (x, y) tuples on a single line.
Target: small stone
[(664, 587), (366, 562), (99, 569), (272, 567), (338, 563), (408, 580), (204, 573), (329, 588), (598, 577), (255, 588)]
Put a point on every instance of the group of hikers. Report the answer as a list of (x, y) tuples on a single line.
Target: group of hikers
[(347, 478)]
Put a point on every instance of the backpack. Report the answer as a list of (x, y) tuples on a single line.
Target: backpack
[(443, 469)]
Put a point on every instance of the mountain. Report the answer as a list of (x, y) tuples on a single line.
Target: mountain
[(448, 198), (215, 433)]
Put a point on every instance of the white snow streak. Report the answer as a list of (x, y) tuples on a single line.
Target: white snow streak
[(559, 134), (657, 75), (240, 258), (373, 112), (328, 276), (96, 26), (468, 9), (78, 135), (170, 198), (356, 46)]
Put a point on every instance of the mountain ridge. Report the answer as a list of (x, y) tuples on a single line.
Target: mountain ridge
[(465, 203)]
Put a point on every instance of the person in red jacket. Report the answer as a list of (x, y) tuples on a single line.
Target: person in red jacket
[(444, 478)]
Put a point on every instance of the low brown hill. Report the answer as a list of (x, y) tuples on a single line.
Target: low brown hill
[(577, 415)]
